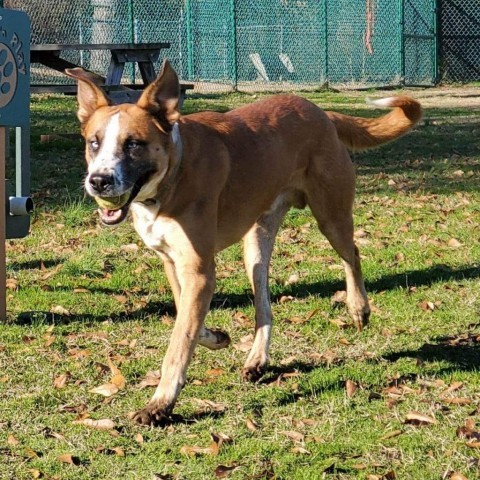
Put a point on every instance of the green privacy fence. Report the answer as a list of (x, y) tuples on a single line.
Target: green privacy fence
[(252, 45)]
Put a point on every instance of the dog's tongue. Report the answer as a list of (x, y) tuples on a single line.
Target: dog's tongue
[(111, 216)]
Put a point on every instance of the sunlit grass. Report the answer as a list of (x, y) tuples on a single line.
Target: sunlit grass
[(86, 294)]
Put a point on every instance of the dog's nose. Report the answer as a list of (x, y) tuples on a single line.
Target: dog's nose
[(100, 183)]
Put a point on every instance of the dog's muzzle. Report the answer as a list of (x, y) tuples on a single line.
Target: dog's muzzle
[(114, 203)]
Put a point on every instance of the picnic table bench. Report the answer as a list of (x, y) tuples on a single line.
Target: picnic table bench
[(143, 54)]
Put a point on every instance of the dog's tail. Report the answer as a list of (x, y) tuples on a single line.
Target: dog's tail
[(363, 133)]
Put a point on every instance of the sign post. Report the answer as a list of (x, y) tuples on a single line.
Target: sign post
[(14, 112)]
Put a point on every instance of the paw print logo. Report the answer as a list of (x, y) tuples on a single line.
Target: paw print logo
[(8, 75)]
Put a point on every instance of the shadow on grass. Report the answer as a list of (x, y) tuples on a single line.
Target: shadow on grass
[(461, 351), (425, 277), (36, 264)]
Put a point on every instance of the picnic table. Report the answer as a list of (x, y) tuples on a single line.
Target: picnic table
[(143, 54)]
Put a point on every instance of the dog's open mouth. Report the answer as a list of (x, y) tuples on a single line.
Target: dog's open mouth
[(113, 210)]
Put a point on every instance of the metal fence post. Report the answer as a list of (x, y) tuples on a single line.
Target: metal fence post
[(188, 17), (402, 41), (233, 33), (325, 35), (131, 21), (436, 32), (131, 26)]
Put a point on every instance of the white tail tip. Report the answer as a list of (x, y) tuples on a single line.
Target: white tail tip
[(381, 102)]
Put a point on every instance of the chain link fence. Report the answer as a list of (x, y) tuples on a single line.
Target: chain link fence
[(459, 40), (253, 45)]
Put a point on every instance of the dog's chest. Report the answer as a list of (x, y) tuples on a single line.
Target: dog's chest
[(156, 231)]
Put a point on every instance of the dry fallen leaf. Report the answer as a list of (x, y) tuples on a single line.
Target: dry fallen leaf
[(300, 450), (351, 388), (130, 247), (339, 296), (454, 243), (457, 401), (68, 458), (295, 436), (111, 451), (49, 433), (252, 425), (393, 434), (427, 306), (49, 339), (107, 389), (292, 279), (35, 473), (61, 380), (457, 476), (31, 453), (192, 450), (12, 284), (286, 298), (103, 424), (245, 344), (454, 386), (339, 323), (118, 380), (417, 418), (152, 379), (11, 440), (222, 471), (81, 290), (59, 310), (242, 320), (209, 406)]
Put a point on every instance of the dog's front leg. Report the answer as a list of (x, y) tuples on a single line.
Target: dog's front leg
[(197, 281)]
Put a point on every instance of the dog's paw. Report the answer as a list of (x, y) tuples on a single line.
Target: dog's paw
[(360, 319), (213, 338), (152, 415), (253, 373)]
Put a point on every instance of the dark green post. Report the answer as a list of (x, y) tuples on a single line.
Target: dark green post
[(188, 12), (131, 19), (402, 41), (233, 43), (436, 47), (325, 38)]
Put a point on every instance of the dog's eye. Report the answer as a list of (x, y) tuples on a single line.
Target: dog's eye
[(132, 144), (94, 145)]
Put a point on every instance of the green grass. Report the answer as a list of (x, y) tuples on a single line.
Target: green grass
[(82, 294)]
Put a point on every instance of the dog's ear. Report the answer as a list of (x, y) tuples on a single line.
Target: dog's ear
[(161, 97), (90, 96)]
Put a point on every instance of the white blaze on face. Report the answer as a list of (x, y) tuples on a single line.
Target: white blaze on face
[(106, 160)]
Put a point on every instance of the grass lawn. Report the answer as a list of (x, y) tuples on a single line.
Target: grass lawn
[(90, 306)]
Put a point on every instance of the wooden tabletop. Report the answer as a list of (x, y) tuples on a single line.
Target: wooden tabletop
[(56, 47)]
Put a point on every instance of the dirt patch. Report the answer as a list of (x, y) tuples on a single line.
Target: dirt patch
[(448, 97)]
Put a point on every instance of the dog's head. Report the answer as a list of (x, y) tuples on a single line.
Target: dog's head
[(128, 147)]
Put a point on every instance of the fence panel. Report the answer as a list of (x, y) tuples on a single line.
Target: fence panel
[(364, 42), (419, 42), (252, 45), (459, 22), (279, 44)]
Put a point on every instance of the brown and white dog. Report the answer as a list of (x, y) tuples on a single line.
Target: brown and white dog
[(198, 183)]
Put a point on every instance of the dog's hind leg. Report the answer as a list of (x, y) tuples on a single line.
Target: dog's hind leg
[(331, 203), (258, 245), (211, 338)]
